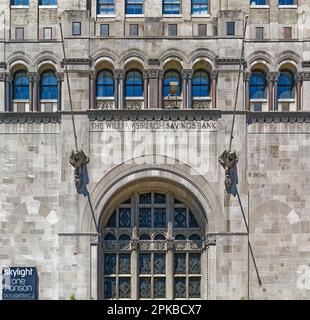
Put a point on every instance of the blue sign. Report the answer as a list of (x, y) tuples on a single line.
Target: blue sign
[(19, 283)]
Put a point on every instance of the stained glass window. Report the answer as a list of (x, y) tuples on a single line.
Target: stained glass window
[(145, 263), (180, 287), (112, 221), (145, 217), (159, 287), (124, 287), (124, 217), (110, 263), (159, 263), (145, 198), (194, 263), (124, 263), (194, 287), (180, 263), (180, 217), (145, 288), (159, 198), (160, 217), (109, 288), (192, 221)]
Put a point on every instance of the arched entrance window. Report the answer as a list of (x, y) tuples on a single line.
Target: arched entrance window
[(159, 251)]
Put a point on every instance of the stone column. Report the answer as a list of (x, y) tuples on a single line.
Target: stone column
[(154, 99), (214, 76), (33, 89), (275, 77), (298, 79), (60, 79), (189, 90), (246, 79), (92, 93), (7, 93), (115, 90), (160, 89), (120, 76), (270, 91), (146, 88), (134, 267), (170, 268), (187, 75)]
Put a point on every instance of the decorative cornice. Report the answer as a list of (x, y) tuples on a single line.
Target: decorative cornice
[(82, 61), (92, 74), (277, 117), (150, 115), (230, 61), (30, 117)]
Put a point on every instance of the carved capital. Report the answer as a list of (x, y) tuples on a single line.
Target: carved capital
[(214, 74), (247, 76), (33, 76), (92, 74), (187, 74), (273, 76), (134, 244), (60, 76), (299, 76), (119, 74), (170, 244)]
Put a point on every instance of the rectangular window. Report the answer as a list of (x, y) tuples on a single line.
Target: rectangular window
[(287, 33), (76, 28), (134, 7), (259, 33), (47, 33), (202, 30), (105, 7), (230, 28), (286, 2), (19, 2), (104, 30), (171, 7), (134, 30), (172, 30), (199, 6), (258, 2), (19, 33), (47, 2)]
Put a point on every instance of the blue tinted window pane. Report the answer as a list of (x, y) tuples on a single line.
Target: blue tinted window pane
[(110, 263), (159, 217), (195, 237), (105, 84), (286, 85), (230, 28), (48, 86), (124, 217), (47, 2), (19, 2), (144, 263), (21, 86), (109, 237), (145, 287), (124, 237), (179, 263), (192, 221), (199, 6), (134, 84), (171, 6), (159, 263), (180, 237), (286, 2), (180, 287), (145, 217), (194, 263), (124, 287), (194, 287), (159, 287), (105, 7), (124, 263), (180, 217), (109, 288), (134, 6), (200, 84), (145, 198), (259, 2), (145, 237), (258, 86), (171, 76), (160, 237), (159, 198)]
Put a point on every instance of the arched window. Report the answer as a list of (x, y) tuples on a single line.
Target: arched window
[(286, 85), (20, 86), (156, 276), (258, 85), (105, 84), (48, 86), (171, 76), (134, 84), (201, 84)]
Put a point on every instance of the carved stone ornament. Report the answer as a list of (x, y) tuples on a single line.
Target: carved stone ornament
[(105, 105), (201, 105), (134, 105)]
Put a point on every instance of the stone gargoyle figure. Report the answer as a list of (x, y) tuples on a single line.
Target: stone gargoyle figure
[(228, 160), (78, 159)]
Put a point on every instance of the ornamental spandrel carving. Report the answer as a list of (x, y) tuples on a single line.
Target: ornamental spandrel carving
[(105, 105), (134, 244), (151, 73), (180, 244), (134, 105), (170, 244), (187, 74), (205, 105), (33, 76)]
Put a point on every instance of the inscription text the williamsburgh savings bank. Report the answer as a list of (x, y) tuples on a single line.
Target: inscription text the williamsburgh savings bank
[(153, 125)]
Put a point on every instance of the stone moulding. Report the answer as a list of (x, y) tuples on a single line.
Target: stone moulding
[(277, 117), (149, 115), (30, 117)]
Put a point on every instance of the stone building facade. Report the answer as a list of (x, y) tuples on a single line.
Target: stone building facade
[(167, 227)]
